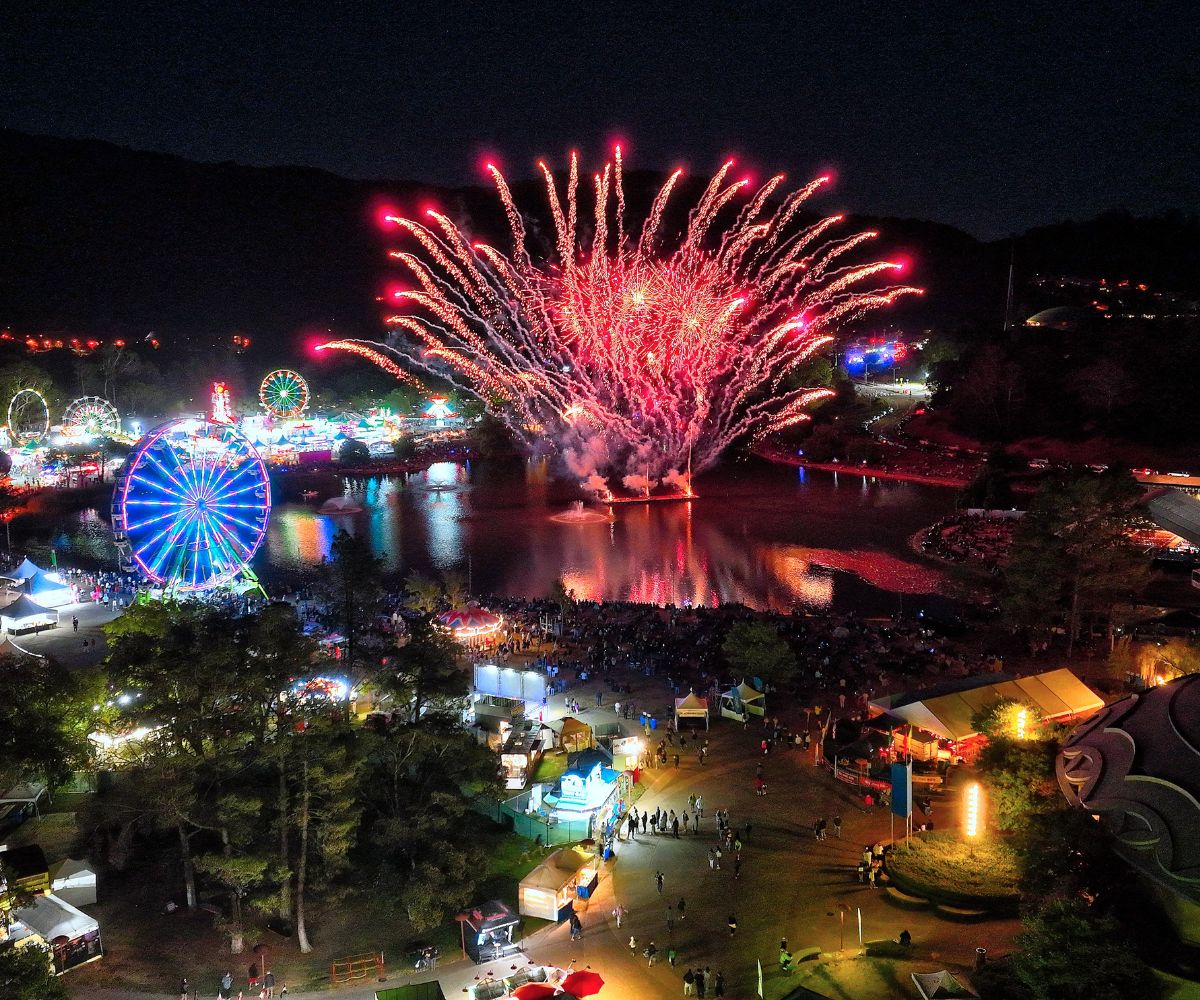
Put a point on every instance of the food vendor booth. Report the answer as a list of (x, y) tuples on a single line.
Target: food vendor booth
[(550, 890), (576, 735), (521, 752), (72, 937)]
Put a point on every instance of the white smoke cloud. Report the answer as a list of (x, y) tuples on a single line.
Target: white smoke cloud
[(677, 479), (638, 484), (595, 484)]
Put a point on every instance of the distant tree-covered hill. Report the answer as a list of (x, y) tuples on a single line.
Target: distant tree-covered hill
[(105, 240)]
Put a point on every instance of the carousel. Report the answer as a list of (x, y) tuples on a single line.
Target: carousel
[(471, 625)]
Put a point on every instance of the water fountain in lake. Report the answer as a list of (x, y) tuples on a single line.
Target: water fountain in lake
[(579, 514)]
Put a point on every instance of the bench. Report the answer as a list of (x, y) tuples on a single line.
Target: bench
[(960, 913), (886, 948), (898, 897), (804, 954)]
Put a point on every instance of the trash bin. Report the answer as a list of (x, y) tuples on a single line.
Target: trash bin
[(653, 723), (980, 957)]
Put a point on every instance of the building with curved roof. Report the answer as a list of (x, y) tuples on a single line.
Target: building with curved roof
[(1136, 766), (1067, 319)]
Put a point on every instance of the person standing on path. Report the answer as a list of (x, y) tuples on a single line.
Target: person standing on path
[(700, 806), (837, 827), (651, 953), (712, 860), (680, 908), (659, 878), (619, 913), (183, 989), (269, 983), (675, 828), (689, 983), (700, 982), (719, 984), (686, 817)]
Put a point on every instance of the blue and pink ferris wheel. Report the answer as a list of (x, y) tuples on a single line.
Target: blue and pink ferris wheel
[(191, 505)]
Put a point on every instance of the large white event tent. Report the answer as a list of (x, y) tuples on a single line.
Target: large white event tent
[(947, 710), (691, 707), (25, 614)]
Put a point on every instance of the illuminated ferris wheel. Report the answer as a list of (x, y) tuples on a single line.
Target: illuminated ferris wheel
[(28, 417), (191, 505), (283, 393), (91, 416)]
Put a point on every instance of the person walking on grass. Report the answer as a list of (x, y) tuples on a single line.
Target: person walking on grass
[(689, 983), (651, 953), (672, 955), (732, 924)]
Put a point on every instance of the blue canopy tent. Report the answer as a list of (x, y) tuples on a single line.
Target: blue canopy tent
[(48, 589), (23, 572)]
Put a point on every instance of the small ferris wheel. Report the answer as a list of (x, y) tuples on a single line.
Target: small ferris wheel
[(91, 416), (28, 417), (283, 393)]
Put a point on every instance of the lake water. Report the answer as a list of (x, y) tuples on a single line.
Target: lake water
[(760, 534)]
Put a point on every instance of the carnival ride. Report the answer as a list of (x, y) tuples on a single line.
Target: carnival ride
[(28, 417), (191, 505), (283, 393), (91, 417)]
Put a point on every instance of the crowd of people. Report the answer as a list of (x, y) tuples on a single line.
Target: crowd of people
[(843, 660), (980, 538)]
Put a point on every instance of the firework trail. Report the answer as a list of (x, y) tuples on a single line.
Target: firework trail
[(636, 357)]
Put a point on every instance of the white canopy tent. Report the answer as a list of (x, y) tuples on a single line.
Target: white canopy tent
[(25, 614), (74, 882), (10, 648), (72, 936), (743, 700), (691, 707)]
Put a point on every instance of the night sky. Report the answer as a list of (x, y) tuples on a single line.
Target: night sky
[(990, 117)]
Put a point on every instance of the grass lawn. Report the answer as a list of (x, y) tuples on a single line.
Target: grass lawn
[(550, 767), (148, 950), (942, 864)]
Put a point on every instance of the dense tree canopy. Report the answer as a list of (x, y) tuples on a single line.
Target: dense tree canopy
[(756, 649), (1071, 557)]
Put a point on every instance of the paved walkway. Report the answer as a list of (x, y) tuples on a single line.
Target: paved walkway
[(790, 886), (66, 645)]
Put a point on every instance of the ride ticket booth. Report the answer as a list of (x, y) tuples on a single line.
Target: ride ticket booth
[(488, 931)]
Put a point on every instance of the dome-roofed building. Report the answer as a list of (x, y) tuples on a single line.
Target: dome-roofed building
[(1136, 765), (1066, 319)]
